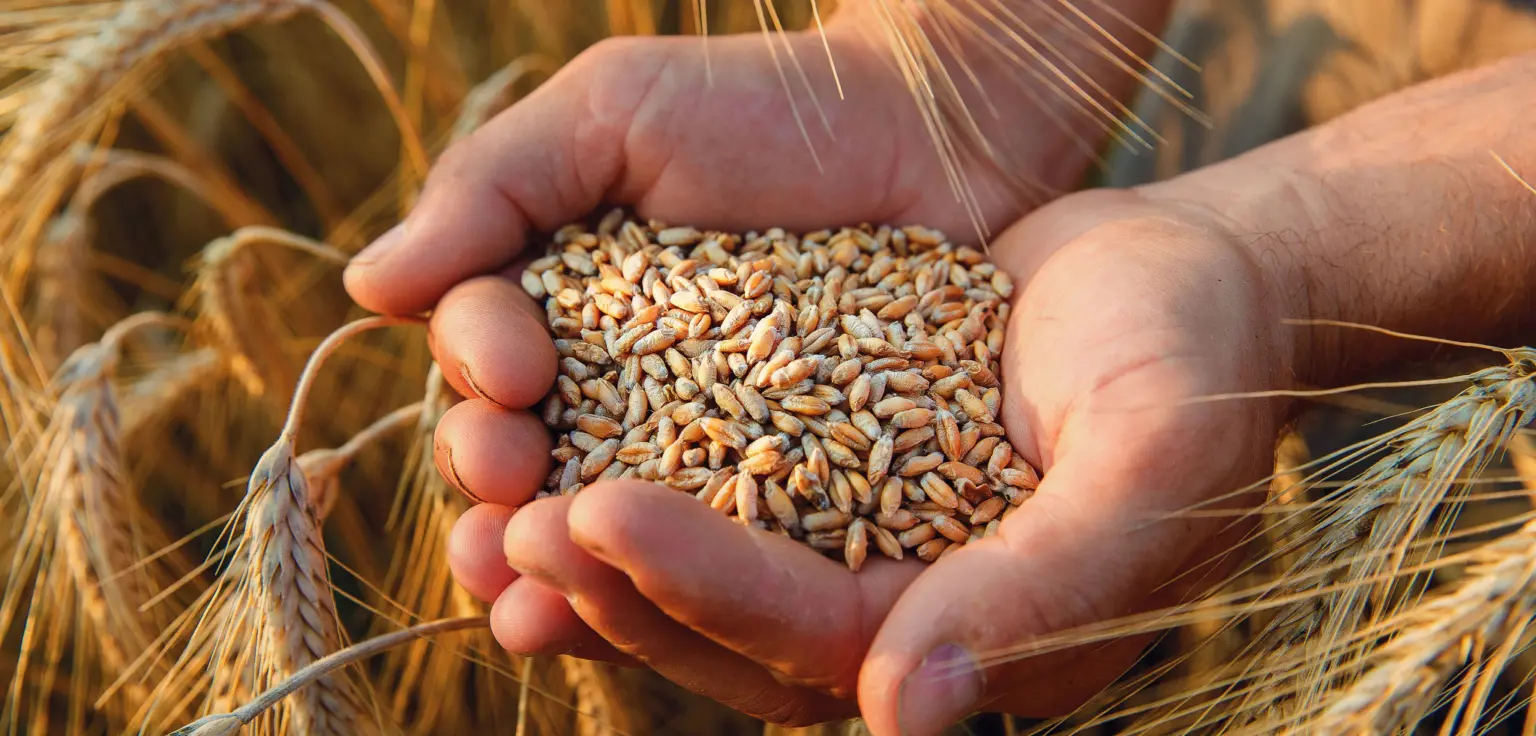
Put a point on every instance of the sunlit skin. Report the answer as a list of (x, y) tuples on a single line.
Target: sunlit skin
[(1132, 304)]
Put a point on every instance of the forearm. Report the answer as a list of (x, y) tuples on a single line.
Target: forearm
[(1397, 215), (1043, 82)]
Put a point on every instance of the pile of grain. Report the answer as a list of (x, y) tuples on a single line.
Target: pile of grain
[(841, 387)]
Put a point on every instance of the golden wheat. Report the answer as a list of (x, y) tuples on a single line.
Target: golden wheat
[(78, 564)]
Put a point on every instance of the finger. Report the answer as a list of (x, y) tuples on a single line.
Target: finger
[(474, 551), (538, 545), (490, 454), (545, 161), (1100, 536), (530, 618), (765, 596), (490, 344)]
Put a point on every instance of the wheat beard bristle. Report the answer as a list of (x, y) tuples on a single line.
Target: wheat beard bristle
[(287, 583), (1492, 609), (99, 536), (96, 64), (1359, 536)]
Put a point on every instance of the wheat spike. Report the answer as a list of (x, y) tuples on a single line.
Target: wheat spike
[(85, 536), (149, 402), (1362, 550), (1352, 555), (71, 101), (237, 317), (1492, 610), (287, 588), (235, 670), (1357, 553)]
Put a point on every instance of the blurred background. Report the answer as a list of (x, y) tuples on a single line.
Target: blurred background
[(278, 124)]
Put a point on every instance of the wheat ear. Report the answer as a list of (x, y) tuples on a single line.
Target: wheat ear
[(1317, 605), (234, 671), (1491, 611), (1354, 552), (85, 532), (1366, 530), (94, 69), (235, 313), (287, 586), (286, 581)]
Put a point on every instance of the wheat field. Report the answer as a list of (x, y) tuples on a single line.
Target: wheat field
[(209, 445)]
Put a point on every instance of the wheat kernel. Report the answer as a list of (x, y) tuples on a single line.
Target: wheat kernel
[(839, 388)]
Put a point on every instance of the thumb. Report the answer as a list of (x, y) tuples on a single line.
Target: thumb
[(1097, 542), (546, 161)]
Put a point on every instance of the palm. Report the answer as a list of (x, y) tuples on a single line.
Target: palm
[(1130, 315)]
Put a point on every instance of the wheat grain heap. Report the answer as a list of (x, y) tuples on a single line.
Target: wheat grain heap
[(841, 387)]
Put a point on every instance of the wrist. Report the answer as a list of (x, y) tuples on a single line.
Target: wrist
[(1295, 292), (1396, 216)]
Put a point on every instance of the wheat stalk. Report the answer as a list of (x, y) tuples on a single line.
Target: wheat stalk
[(228, 723)]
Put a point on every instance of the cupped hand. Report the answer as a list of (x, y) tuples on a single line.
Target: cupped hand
[(707, 139), (647, 123), (1129, 310), (652, 124), (1117, 323)]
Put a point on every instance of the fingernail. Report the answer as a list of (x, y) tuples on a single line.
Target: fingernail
[(379, 249), (941, 691)]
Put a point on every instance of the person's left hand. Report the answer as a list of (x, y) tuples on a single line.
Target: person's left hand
[(1127, 310)]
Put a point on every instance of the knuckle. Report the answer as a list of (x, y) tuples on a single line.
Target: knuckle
[(620, 76)]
